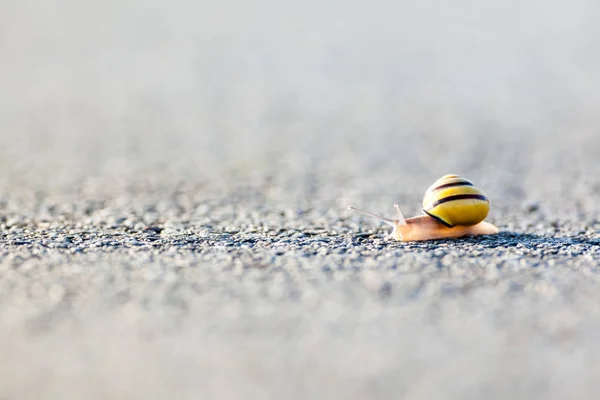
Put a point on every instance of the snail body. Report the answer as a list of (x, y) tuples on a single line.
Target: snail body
[(453, 206)]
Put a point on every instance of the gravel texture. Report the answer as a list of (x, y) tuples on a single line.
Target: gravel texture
[(173, 185)]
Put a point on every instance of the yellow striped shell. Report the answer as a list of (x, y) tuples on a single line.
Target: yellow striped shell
[(454, 200)]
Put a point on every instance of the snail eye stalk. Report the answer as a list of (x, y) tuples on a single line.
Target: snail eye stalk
[(389, 221)]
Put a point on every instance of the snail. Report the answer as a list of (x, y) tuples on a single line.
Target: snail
[(454, 207)]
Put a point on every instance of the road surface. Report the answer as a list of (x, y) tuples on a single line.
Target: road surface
[(174, 182)]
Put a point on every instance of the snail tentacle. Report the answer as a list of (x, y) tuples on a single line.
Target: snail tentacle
[(389, 221)]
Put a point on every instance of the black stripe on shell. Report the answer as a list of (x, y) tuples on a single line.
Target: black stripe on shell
[(452, 198), (452, 184), (457, 197), (438, 219)]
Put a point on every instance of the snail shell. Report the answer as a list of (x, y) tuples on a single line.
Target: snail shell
[(453, 200)]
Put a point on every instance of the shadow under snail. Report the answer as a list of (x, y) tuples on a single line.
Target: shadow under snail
[(453, 208)]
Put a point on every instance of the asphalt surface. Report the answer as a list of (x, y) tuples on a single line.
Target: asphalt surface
[(174, 181)]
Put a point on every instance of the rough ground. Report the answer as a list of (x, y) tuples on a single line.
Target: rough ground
[(174, 180)]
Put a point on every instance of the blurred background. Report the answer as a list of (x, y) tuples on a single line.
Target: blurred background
[(246, 127), (321, 99)]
